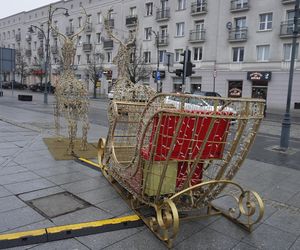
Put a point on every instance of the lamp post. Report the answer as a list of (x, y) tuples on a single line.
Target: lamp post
[(47, 50), (158, 87), (286, 122)]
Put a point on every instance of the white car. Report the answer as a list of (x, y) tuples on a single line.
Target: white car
[(110, 95)]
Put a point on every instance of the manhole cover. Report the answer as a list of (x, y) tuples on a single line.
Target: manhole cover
[(57, 204)]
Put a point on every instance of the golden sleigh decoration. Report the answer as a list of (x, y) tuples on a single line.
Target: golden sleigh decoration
[(174, 158)]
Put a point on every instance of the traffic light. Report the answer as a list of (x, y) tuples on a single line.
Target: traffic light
[(178, 72), (183, 62), (189, 65)]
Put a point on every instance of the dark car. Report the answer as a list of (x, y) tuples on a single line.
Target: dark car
[(207, 93), (40, 87), (14, 84)]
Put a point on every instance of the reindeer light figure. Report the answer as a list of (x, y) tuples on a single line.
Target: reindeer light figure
[(71, 94), (124, 89)]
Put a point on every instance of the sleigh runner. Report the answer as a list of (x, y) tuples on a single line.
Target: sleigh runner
[(173, 156)]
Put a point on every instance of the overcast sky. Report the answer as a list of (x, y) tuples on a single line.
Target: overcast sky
[(10, 7)]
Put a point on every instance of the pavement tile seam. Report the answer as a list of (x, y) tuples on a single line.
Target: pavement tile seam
[(294, 242), (82, 243)]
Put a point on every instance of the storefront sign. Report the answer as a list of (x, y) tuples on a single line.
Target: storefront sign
[(259, 75), (235, 89)]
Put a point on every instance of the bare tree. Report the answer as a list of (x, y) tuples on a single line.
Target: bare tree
[(94, 69), (22, 68), (137, 69)]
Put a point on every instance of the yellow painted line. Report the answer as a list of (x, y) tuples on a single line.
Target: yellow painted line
[(13, 236), (98, 223), (89, 162)]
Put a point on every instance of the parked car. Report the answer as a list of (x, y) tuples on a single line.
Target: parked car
[(14, 84), (207, 93), (40, 87)]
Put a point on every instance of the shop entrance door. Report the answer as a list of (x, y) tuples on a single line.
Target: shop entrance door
[(261, 93)]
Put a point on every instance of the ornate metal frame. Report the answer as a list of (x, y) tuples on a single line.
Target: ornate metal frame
[(174, 156)]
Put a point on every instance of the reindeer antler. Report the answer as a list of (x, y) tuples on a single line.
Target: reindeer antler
[(83, 27), (108, 28)]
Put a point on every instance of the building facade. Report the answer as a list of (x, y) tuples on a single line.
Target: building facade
[(240, 48)]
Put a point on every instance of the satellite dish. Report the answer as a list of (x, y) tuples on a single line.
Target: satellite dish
[(229, 25)]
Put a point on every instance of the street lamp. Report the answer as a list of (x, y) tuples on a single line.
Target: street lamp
[(158, 87), (47, 39), (286, 122)]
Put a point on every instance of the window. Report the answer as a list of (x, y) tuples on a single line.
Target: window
[(149, 9), (78, 59), (79, 21), (262, 52), (148, 33), (147, 56), (287, 51), (98, 37), (178, 57), (88, 38), (34, 45), (179, 29), (109, 56), (238, 54), (99, 18), (198, 52), (132, 11), (162, 55), (265, 22), (239, 4), (79, 41), (181, 4), (88, 58)]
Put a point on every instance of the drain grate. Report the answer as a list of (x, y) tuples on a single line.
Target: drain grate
[(57, 204)]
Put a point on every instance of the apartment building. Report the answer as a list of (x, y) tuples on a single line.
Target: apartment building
[(241, 48)]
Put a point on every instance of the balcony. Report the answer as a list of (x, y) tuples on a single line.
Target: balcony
[(199, 8), (238, 5), (108, 44), (54, 49), (18, 37), (88, 27), (131, 21), (287, 28), (110, 23), (288, 1), (87, 47), (28, 53), (28, 37), (238, 35), (69, 30), (40, 51), (18, 54), (163, 40), (162, 14), (197, 36)]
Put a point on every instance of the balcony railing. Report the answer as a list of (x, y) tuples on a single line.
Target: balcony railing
[(199, 8), (238, 35), (287, 28), (131, 20), (108, 44), (238, 5), (163, 40), (88, 27), (54, 49), (40, 35), (110, 23), (197, 36), (28, 52), (163, 14), (18, 37), (87, 47), (69, 30), (288, 1)]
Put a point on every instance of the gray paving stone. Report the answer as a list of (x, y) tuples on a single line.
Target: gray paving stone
[(60, 245), (7, 145), (53, 170), (4, 192), (41, 165), (99, 195), (29, 157), (34, 226), (28, 186), (9, 203), (12, 170), (296, 245), (115, 206), (295, 200), (67, 178), (100, 241), (268, 237), (85, 185), (286, 220), (18, 218), (142, 240), (243, 246), (208, 239), (40, 193), (83, 215), (18, 177)]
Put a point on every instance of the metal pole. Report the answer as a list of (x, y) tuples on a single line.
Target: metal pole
[(286, 122), (184, 68), (157, 67)]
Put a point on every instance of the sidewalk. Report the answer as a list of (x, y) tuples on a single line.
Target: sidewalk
[(28, 172)]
